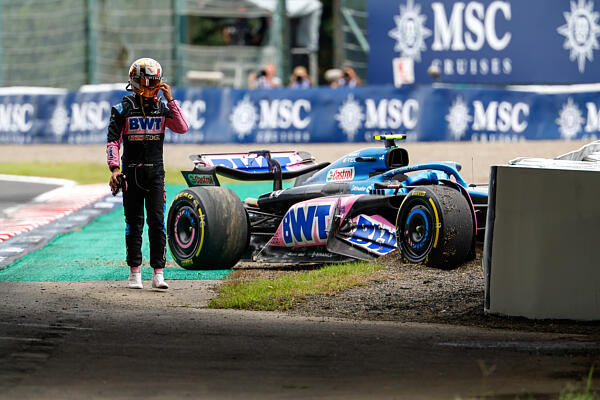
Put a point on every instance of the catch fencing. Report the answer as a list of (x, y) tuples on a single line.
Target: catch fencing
[(69, 43)]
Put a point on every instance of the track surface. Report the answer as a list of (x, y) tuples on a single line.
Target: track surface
[(16, 193), (99, 340)]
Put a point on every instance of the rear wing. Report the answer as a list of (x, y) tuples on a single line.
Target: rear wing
[(255, 161), (261, 165)]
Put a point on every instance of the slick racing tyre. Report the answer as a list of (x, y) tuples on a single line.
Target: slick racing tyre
[(434, 226), (207, 228)]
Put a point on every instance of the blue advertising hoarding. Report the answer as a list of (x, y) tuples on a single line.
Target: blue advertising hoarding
[(319, 115), (486, 41)]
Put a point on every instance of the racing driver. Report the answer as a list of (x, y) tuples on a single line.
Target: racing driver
[(139, 122)]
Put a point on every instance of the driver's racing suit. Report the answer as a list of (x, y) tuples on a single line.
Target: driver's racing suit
[(141, 128)]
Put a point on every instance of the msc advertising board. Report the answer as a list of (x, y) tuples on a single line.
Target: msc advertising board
[(500, 41)]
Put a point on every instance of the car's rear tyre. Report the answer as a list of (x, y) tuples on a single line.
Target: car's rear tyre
[(207, 228), (434, 226)]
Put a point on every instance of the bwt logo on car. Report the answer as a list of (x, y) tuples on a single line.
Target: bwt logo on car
[(306, 224), (248, 162), (373, 235), (16, 117), (340, 174)]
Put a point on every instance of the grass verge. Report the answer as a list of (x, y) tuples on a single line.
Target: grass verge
[(82, 173), (587, 394), (283, 292)]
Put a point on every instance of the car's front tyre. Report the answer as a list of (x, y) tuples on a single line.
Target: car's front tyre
[(434, 226)]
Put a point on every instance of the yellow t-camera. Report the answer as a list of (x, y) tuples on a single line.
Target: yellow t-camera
[(390, 139)]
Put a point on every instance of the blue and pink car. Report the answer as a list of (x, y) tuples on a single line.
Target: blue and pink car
[(284, 207)]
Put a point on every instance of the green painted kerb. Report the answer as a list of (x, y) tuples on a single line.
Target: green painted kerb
[(95, 253)]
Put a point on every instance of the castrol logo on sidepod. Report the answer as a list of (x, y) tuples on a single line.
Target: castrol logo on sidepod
[(340, 174)]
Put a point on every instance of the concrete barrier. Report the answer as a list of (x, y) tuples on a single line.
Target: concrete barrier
[(542, 244)]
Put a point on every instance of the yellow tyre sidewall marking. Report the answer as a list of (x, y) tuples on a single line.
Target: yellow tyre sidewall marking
[(437, 223), (201, 231), (435, 212)]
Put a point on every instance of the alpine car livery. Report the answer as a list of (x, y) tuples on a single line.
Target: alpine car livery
[(362, 206)]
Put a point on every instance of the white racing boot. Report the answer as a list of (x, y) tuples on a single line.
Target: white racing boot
[(158, 280), (135, 278)]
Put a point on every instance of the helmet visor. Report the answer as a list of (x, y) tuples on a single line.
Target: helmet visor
[(149, 82), (148, 86)]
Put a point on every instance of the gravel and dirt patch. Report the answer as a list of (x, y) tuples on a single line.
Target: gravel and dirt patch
[(415, 293)]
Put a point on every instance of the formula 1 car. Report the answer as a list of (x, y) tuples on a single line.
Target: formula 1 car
[(362, 206)]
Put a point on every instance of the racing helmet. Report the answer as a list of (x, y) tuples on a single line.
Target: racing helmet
[(145, 77)]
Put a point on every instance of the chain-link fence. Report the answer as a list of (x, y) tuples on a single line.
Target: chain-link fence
[(44, 43), (69, 43), (123, 31)]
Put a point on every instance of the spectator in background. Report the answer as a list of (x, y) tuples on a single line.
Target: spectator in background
[(300, 78), (332, 76), (252, 80), (349, 79), (267, 78)]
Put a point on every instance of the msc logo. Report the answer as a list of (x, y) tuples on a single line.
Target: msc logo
[(470, 26), (284, 114), (493, 117), (580, 32), (306, 224), (500, 116), (378, 114), (89, 115), (194, 113), (85, 116), (271, 114), (391, 113), (467, 26), (572, 119), (16, 117), (145, 124)]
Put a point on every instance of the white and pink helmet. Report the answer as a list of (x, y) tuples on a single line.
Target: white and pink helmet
[(145, 77)]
